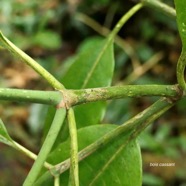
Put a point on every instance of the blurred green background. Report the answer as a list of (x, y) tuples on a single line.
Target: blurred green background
[(52, 32)]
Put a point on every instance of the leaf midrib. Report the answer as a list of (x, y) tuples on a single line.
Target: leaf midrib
[(112, 158), (96, 63)]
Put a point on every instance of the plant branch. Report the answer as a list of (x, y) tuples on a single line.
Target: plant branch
[(160, 6), (46, 147), (139, 122), (32, 63), (124, 19), (106, 93), (74, 172), (32, 96), (76, 97)]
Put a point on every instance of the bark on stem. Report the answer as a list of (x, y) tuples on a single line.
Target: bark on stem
[(107, 93)]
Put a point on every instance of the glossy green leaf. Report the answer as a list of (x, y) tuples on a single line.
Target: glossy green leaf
[(4, 136), (118, 163), (92, 68)]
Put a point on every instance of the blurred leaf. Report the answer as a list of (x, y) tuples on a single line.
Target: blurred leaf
[(4, 136), (147, 141), (47, 39), (93, 68), (144, 52), (151, 180), (61, 71), (163, 132), (115, 164), (148, 29), (118, 111)]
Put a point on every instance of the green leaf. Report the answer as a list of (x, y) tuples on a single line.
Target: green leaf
[(117, 163), (4, 136), (92, 68)]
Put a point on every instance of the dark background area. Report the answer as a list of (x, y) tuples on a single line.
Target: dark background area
[(50, 31)]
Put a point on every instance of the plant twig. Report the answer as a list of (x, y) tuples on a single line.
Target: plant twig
[(81, 96), (30, 154), (57, 181), (116, 92), (32, 63), (125, 18), (74, 173), (46, 147), (164, 8), (31, 96)]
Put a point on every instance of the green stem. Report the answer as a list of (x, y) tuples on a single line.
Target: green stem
[(180, 70), (30, 154), (160, 6), (46, 147), (32, 63), (124, 19), (139, 121), (5, 138), (74, 173), (93, 94), (32, 96), (105, 32), (116, 92), (57, 181)]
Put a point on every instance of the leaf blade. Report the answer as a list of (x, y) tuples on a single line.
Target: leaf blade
[(94, 67), (114, 168)]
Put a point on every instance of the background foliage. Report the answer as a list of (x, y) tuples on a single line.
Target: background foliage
[(51, 32)]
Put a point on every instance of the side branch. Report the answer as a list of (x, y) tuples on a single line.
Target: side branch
[(32, 96), (107, 93), (81, 96), (46, 147)]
